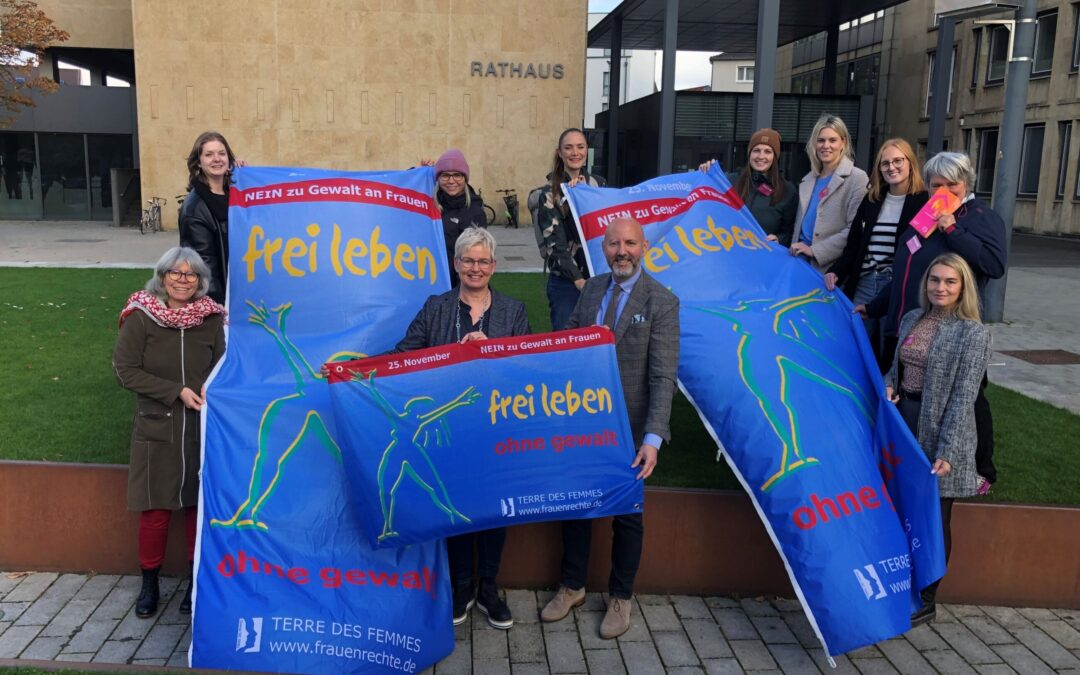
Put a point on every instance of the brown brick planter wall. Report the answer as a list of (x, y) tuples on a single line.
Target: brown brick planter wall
[(72, 517)]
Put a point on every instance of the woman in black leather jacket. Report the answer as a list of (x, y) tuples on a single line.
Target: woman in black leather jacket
[(204, 215)]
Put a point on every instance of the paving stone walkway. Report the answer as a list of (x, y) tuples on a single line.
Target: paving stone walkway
[(91, 618)]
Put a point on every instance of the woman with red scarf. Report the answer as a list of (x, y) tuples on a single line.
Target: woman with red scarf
[(171, 335)]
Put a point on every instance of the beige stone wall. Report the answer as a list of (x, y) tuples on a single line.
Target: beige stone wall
[(101, 24), (356, 84)]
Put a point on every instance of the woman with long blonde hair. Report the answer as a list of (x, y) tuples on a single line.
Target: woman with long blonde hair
[(829, 195), (942, 355)]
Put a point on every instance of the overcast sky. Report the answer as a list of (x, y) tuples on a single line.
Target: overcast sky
[(692, 69)]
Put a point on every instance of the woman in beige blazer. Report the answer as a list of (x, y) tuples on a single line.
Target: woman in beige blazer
[(829, 195)]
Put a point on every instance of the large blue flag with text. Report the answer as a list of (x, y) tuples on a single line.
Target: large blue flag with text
[(323, 266), (781, 373), (467, 437)]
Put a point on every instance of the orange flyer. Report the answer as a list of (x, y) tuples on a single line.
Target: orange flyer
[(941, 202)]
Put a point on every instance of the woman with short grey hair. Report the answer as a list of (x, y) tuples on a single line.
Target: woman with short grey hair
[(171, 335), (977, 234), (471, 311)]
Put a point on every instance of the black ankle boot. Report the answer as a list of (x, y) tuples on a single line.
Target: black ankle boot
[(185, 604), (146, 605)]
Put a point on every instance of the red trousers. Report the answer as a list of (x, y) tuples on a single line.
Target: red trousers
[(154, 534)]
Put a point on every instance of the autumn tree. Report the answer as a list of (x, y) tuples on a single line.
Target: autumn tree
[(25, 33)]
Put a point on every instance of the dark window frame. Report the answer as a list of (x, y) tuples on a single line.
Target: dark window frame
[(1025, 160), (977, 43), (1064, 141), (980, 177), (996, 32), (1075, 65), (1039, 32)]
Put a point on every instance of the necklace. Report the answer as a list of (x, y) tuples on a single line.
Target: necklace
[(480, 327)]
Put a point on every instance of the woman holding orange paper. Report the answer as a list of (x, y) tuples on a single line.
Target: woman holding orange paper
[(934, 380), (897, 192), (974, 232)]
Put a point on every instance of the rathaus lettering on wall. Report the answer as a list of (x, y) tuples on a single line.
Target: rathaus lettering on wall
[(522, 70)]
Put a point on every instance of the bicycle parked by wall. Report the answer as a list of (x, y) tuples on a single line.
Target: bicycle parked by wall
[(511, 201), (489, 212), (151, 215)]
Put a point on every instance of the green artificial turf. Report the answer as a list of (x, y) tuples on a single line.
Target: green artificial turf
[(59, 400)]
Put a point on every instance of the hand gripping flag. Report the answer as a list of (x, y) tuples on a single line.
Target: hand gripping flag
[(781, 373), (323, 265), (467, 437)]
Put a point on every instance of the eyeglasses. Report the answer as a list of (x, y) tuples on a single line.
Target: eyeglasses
[(447, 175), (471, 262), (896, 163), (177, 275)]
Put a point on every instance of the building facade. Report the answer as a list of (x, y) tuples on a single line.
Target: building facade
[(638, 77), (349, 84), (898, 52), (732, 72)]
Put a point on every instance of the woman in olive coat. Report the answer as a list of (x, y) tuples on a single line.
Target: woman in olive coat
[(171, 335)]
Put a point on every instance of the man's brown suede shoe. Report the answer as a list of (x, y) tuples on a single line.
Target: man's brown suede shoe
[(559, 606), (616, 620)]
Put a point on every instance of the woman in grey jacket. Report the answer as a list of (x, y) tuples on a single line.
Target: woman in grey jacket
[(471, 311), (942, 354), (829, 195)]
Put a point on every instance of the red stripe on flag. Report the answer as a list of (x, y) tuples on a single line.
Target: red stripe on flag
[(335, 190), (388, 365), (654, 210)]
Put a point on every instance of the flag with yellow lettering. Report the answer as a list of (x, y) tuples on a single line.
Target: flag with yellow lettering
[(782, 375), (467, 437), (323, 266)]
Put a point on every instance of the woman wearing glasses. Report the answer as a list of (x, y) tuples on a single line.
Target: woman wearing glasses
[(829, 195), (897, 192), (459, 204), (471, 311), (170, 338)]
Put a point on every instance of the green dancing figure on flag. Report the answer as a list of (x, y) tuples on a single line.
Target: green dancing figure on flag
[(410, 459)]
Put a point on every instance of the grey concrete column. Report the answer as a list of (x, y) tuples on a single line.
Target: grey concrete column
[(935, 141), (666, 150), (614, 101), (1012, 138), (832, 46), (765, 62)]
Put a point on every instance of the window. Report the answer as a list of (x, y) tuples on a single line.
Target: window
[(984, 179), (744, 74), (1045, 31), (607, 84), (967, 142), (999, 55), (1030, 158), (807, 83), (976, 42), (113, 81), (930, 84), (71, 74), (1076, 40), (604, 106), (1064, 137)]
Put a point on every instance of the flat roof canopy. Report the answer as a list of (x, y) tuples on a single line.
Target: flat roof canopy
[(725, 25)]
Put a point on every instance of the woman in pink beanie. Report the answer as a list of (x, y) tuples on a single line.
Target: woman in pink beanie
[(459, 204)]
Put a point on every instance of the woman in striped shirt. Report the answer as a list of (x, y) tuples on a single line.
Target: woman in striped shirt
[(896, 194)]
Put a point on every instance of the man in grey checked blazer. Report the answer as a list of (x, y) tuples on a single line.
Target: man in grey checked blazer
[(645, 319)]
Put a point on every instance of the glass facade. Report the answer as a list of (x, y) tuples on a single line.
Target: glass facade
[(57, 176), (21, 197)]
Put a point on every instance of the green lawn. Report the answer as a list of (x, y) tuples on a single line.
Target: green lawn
[(60, 402)]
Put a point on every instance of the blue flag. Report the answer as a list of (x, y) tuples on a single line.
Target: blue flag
[(467, 437), (323, 266), (781, 372)]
